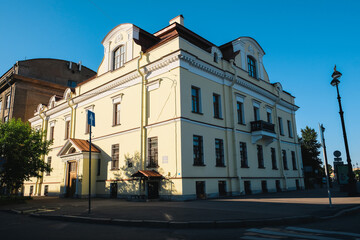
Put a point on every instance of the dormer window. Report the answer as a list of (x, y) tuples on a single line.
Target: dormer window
[(252, 67), (119, 57), (215, 57)]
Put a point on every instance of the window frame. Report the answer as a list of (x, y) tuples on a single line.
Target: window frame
[(240, 112), (8, 101), (49, 159), (195, 100), (67, 129), (219, 152), (115, 152), (198, 151), (273, 159), (217, 106), (293, 159), (289, 125), (118, 57), (284, 158), (260, 156), (153, 152), (252, 66), (116, 113), (281, 127), (243, 155), (51, 133)]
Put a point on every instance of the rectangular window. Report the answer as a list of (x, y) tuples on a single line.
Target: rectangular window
[(281, 129), (247, 186), (49, 163), (256, 113), (293, 159), (198, 150), (195, 99), (264, 186), (98, 167), (71, 83), (260, 156), (290, 129), (115, 156), (51, 133), (7, 103), (219, 152), (278, 185), (67, 129), (240, 112), (243, 155), (222, 188), (119, 57), (217, 105), (269, 116), (200, 190), (0, 105), (152, 152), (284, 160), (31, 190), (117, 114), (46, 190), (6, 118), (273, 159)]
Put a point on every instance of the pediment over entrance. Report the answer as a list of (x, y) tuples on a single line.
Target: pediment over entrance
[(73, 146)]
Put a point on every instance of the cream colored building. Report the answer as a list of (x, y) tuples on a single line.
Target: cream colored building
[(177, 117)]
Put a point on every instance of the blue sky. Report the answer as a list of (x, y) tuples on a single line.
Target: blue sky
[(302, 40)]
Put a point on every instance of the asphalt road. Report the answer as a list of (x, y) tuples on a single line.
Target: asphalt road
[(16, 226)]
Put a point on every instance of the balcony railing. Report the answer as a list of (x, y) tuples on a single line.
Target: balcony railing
[(261, 125)]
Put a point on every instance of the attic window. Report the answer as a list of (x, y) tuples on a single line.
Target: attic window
[(252, 67), (215, 57), (119, 57)]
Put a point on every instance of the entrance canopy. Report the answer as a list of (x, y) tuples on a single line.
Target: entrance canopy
[(148, 174), (77, 146)]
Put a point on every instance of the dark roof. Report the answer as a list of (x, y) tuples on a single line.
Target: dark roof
[(147, 174), (83, 145)]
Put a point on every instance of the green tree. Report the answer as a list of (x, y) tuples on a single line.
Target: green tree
[(21, 151), (310, 151)]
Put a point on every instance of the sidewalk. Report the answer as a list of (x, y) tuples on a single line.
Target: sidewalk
[(253, 210)]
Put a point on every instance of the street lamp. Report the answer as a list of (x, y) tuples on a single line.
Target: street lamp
[(352, 182)]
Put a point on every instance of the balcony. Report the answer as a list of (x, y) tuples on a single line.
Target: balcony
[(262, 130)]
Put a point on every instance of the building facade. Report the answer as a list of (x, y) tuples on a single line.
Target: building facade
[(34, 81), (177, 118)]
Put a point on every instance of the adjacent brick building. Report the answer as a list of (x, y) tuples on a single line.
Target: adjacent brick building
[(35, 81)]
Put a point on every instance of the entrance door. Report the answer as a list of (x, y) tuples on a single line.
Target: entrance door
[(71, 179), (200, 190), (153, 190)]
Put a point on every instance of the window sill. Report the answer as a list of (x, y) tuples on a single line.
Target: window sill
[(286, 169), (219, 118), (197, 113), (114, 169), (220, 166), (275, 169), (199, 165), (114, 125), (294, 169), (244, 166), (261, 167), (282, 134), (240, 123)]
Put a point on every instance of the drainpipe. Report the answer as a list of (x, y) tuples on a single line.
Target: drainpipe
[(143, 115), (73, 114), (232, 113), (43, 129), (278, 137)]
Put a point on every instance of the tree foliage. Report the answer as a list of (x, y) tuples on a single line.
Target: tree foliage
[(21, 151), (310, 149)]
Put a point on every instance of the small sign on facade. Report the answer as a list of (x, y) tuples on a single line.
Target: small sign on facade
[(165, 159)]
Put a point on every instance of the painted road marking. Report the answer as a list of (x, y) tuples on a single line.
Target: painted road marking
[(322, 231)]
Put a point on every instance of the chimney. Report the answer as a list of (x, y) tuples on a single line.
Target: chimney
[(179, 19), (79, 64)]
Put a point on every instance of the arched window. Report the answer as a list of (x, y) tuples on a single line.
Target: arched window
[(215, 57), (119, 57), (252, 67), (72, 150)]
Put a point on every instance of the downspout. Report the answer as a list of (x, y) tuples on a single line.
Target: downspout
[(232, 65), (143, 115), (73, 114), (278, 137), (43, 129)]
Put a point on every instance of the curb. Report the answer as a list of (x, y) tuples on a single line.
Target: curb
[(194, 224)]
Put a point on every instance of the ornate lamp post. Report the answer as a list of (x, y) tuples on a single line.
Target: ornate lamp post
[(352, 182)]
